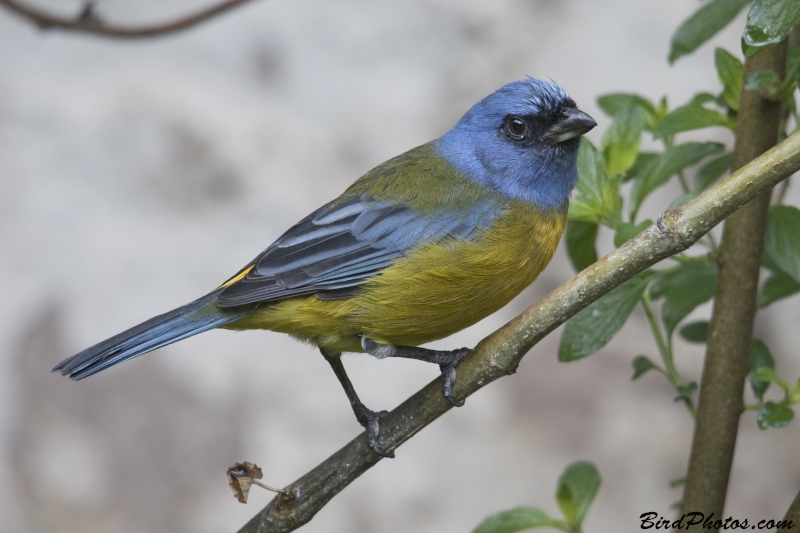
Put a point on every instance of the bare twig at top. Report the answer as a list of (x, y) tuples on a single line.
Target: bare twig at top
[(89, 22)]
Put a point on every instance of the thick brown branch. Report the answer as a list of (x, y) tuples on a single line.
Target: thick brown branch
[(87, 20), (499, 354), (730, 333), (793, 513)]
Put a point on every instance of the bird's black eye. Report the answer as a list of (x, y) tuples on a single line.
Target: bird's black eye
[(516, 128)]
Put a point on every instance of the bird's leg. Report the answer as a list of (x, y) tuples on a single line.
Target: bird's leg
[(447, 361), (369, 419)]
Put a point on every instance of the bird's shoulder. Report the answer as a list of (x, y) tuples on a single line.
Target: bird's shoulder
[(421, 180)]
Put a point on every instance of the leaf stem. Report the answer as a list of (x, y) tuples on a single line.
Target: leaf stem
[(665, 349), (267, 487)]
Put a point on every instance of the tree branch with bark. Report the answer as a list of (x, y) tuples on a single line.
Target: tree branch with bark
[(731, 330)]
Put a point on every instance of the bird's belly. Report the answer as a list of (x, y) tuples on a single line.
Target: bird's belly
[(445, 287), (431, 293)]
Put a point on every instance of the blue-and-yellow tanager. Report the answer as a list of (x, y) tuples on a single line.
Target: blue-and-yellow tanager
[(418, 248)]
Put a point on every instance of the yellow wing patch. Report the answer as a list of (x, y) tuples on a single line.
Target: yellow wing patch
[(237, 277)]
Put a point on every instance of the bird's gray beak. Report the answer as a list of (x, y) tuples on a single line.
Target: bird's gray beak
[(572, 123)]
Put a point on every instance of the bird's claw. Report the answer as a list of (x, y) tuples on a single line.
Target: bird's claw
[(371, 421), (449, 375)]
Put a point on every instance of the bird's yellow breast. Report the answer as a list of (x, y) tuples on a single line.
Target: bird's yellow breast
[(434, 291)]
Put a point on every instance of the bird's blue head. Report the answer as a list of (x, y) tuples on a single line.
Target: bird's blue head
[(521, 141)]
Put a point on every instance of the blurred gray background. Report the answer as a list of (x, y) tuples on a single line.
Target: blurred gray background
[(136, 176)]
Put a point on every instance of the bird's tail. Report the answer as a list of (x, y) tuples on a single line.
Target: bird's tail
[(193, 318)]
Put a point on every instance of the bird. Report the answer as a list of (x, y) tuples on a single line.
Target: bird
[(418, 248)]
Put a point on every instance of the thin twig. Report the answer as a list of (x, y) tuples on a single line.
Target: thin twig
[(499, 354), (267, 487), (665, 349), (87, 21)]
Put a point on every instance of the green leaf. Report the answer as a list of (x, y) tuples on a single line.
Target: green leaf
[(790, 105), (767, 374), (796, 82), (760, 357), (784, 92), (702, 99), (794, 394), (792, 60), (667, 164), (782, 239), (779, 285), (685, 391), (642, 364), (677, 482), (642, 160), (703, 25), (729, 71), (711, 172), (774, 415), (613, 104), (581, 237), (598, 198), (761, 79), (517, 519), (691, 117), (662, 109), (577, 487), (627, 231), (684, 288), (594, 326), (779, 90), (769, 263), (768, 23), (695, 331), (621, 140)]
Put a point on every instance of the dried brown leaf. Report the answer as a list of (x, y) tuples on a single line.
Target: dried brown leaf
[(240, 477)]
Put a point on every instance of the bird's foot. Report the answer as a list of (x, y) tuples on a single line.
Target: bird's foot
[(448, 368), (370, 420)]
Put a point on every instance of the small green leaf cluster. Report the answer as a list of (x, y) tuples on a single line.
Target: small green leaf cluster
[(781, 254), (576, 489), (771, 85), (762, 373), (768, 23), (599, 203)]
